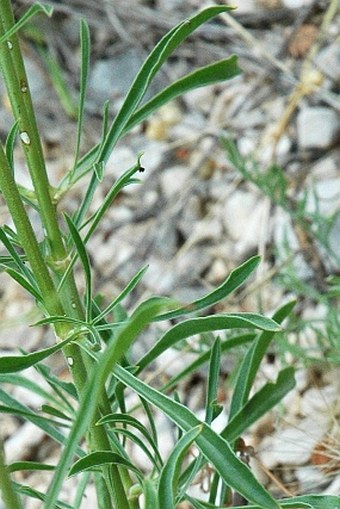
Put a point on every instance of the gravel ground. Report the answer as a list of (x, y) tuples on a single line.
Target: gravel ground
[(195, 216)]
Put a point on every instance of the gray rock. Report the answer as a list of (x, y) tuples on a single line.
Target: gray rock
[(296, 4), (159, 278), (111, 78), (245, 6), (189, 216), (173, 180), (317, 127), (243, 216), (328, 61), (165, 242), (191, 264), (37, 81)]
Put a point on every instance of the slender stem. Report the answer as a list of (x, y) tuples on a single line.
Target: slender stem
[(9, 496), (68, 301), (98, 437), (27, 237), (14, 73), (18, 91)]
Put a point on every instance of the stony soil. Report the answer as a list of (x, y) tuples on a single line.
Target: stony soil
[(195, 217)]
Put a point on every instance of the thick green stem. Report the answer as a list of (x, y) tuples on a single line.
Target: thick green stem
[(68, 301), (27, 237), (17, 88), (51, 300), (9, 496)]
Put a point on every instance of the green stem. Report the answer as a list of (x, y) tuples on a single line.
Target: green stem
[(27, 237), (68, 302), (51, 299), (18, 92), (9, 496), (17, 86)]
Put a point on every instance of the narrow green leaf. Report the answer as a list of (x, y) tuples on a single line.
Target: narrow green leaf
[(131, 421), (29, 465), (60, 387), (38, 495), (226, 345), (98, 458), (27, 414), (19, 278), (149, 69), (120, 183), (85, 165), (81, 250), (252, 360), (32, 11), (139, 442), (48, 409), (10, 143), (96, 218), (60, 319), (84, 69), (124, 337), (263, 401), (17, 259), (30, 385), (129, 287), (151, 419), (14, 363), (309, 501), (168, 479), (205, 324), (213, 73), (42, 423), (232, 282), (213, 378), (217, 450), (80, 214)]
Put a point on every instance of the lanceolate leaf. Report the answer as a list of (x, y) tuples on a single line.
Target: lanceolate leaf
[(98, 458), (32, 11), (217, 450), (19, 278), (81, 250), (149, 69), (205, 324), (226, 345), (85, 61), (233, 281), (131, 421), (129, 287), (14, 363), (28, 465), (263, 401), (252, 360), (213, 378), (168, 478), (124, 337), (213, 73), (305, 501)]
